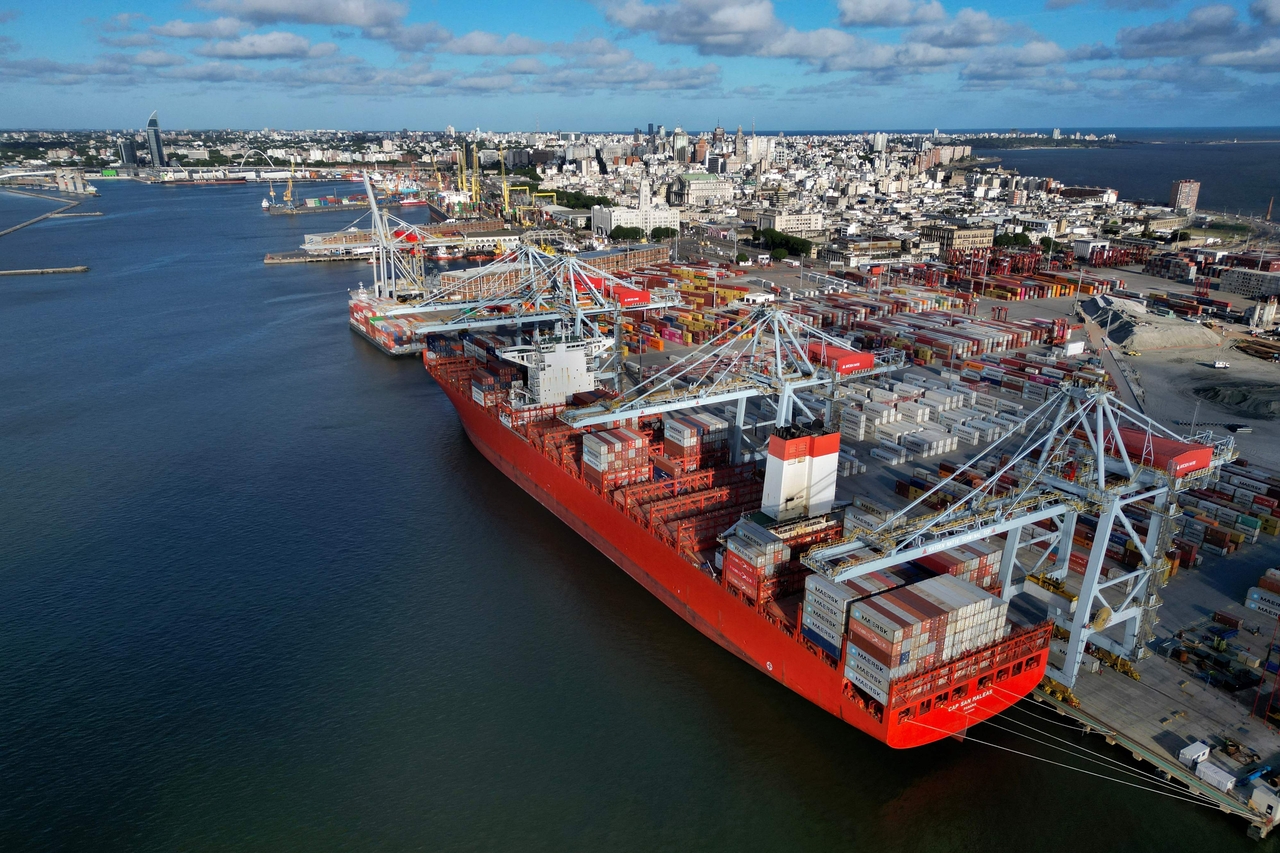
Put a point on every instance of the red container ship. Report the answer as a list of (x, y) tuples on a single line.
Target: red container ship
[(660, 504)]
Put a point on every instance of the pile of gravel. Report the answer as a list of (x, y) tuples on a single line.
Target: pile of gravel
[(1250, 399), (1131, 326)]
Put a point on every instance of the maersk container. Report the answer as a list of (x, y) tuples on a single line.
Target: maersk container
[(821, 642)]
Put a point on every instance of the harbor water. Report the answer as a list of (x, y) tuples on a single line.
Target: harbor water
[(258, 592)]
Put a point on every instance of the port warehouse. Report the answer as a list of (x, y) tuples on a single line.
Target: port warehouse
[(884, 424)]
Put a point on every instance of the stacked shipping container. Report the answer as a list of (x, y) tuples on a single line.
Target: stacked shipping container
[(615, 457)]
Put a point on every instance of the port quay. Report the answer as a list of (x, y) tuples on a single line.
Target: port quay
[(955, 454)]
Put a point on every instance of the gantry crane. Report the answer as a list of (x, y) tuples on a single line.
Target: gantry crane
[(1080, 467), (768, 354)]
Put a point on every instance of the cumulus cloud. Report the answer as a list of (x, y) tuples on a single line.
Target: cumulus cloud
[(157, 59), (478, 43), (274, 45), (7, 15), (1264, 58), (1032, 59), (750, 28), (1094, 51), (730, 28), (219, 28), (525, 65), (1205, 29), (122, 23), (969, 28), (1159, 79), (362, 14), (128, 40), (382, 20), (1052, 5), (1135, 5), (890, 13), (1266, 11)]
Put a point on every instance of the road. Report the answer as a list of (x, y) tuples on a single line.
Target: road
[(1098, 341)]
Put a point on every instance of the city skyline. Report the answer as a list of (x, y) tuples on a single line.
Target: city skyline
[(851, 64)]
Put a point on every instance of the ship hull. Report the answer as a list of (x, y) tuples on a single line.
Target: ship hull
[(715, 611)]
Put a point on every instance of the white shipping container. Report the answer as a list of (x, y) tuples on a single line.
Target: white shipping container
[(866, 685), (1216, 776)]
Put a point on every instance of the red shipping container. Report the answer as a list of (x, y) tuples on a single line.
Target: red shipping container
[(735, 562), (746, 581), (1180, 458), (838, 359), (1269, 584)]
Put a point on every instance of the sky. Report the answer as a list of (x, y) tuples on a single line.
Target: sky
[(618, 64)]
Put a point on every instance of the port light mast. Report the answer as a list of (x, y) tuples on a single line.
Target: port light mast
[(1080, 461)]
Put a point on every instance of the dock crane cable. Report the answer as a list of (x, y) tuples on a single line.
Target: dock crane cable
[(1188, 797)]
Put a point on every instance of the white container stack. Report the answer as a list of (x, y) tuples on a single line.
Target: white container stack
[(847, 464), (854, 424), (915, 413), (916, 628), (615, 457), (881, 413), (695, 432), (879, 395)]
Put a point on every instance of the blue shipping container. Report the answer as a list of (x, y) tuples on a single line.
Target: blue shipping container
[(821, 642)]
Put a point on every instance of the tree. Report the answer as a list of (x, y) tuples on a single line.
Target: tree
[(742, 258), (1018, 239), (778, 254), (581, 201), (771, 239), (622, 232), (662, 233)]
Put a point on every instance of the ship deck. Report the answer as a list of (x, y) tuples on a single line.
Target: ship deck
[(677, 522)]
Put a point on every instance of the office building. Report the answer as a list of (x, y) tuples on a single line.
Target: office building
[(646, 217), (128, 151), (154, 146), (1184, 195), (698, 189), (951, 237)]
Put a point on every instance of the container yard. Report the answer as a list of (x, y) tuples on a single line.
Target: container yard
[(899, 501)]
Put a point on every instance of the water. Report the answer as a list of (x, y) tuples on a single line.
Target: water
[(1236, 177), (259, 593)]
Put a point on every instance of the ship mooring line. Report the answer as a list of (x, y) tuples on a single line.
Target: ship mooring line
[(1087, 754), (1189, 798)]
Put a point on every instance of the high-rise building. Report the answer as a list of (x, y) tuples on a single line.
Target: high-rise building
[(128, 151), (154, 147), (680, 145), (1184, 194), (880, 142), (1057, 133), (700, 150), (650, 130)]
